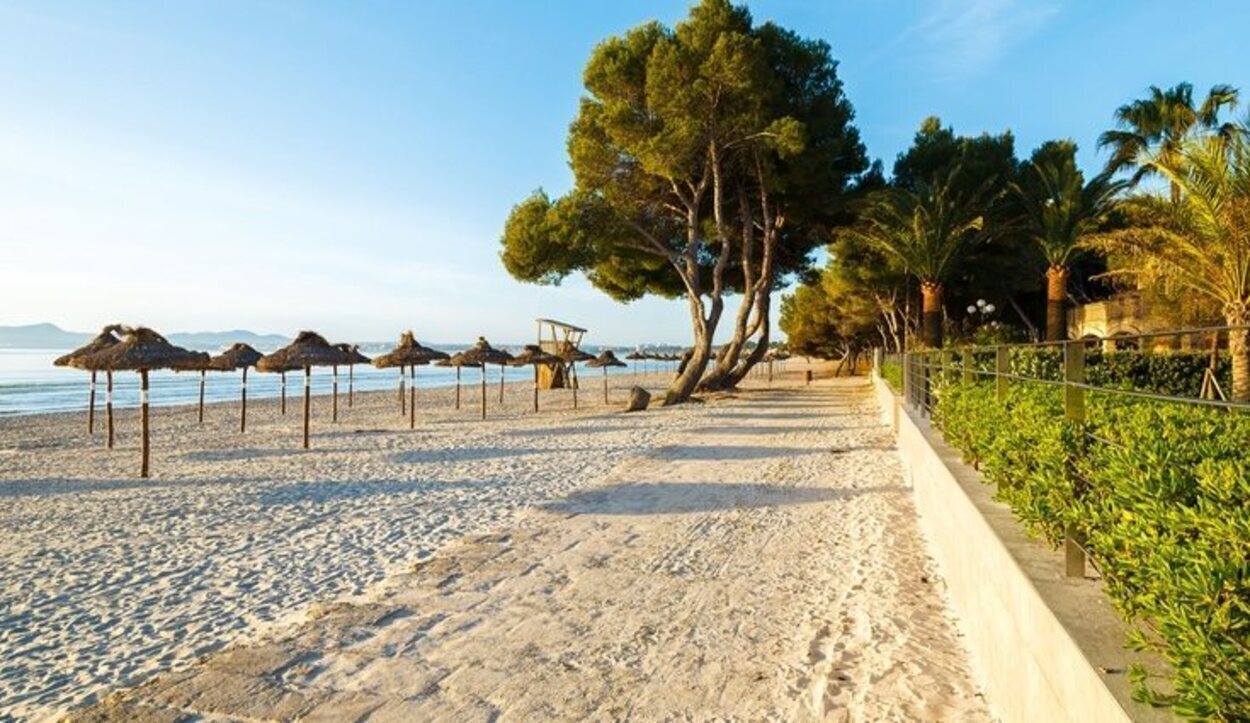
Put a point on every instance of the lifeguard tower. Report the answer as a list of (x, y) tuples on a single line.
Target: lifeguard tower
[(558, 338)]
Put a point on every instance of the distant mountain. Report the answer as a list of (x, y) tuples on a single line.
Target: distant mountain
[(51, 336), (40, 336), (215, 340)]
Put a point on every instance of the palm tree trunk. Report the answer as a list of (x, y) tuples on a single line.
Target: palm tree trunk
[(1057, 303), (1238, 315), (931, 292)]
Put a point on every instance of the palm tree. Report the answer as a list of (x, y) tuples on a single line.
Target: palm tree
[(1201, 243), (1058, 209), (1159, 124), (926, 231)]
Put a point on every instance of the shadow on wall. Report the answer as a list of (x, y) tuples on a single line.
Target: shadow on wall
[(647, 498)]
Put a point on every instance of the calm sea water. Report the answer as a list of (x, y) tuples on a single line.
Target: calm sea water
[(29, 384)]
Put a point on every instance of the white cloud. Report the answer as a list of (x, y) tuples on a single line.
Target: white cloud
[(958, 39)]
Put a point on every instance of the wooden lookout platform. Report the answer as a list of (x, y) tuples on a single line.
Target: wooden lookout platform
[(559, 338)]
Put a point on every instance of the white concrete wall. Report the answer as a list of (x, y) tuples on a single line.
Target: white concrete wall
[(1030, 664)]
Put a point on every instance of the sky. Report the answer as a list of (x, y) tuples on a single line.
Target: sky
[(279, 165)]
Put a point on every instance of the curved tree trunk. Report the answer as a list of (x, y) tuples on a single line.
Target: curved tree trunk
[(931, 291), (1238, 315), (1057, 303)]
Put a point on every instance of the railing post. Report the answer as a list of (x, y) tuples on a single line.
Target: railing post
[(906, 377), (967, 363), (926, 396), (1073, 411), (1002, 367)]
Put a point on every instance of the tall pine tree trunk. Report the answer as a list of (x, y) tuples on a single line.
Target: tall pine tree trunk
[(931, 326), (1057, 303), (1238, 314)]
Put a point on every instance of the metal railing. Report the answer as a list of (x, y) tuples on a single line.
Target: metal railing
[(924, 372)]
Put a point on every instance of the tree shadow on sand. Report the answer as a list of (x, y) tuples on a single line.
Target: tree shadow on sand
[(465, 454), (664, 498), (730, 452), (325, 491)]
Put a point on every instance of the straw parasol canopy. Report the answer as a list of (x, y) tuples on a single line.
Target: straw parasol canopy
[(408, 353), (534, 356), (457, 360), (605, 359), (482, 353), (106, 338), (571, 355), (309, 350), (238, 356), (354, 357), (143, 350)]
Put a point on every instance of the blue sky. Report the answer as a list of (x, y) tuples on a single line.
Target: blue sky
[(347, 167)]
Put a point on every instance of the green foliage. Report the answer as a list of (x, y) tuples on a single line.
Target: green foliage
[(1163, 505), (827, 319), (1160, 123), (1174, 373), (1058, 207), (892, 373)]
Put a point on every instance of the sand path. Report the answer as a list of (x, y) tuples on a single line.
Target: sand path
[(765, 565)]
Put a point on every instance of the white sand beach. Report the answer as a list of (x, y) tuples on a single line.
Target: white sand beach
[(754, 557)]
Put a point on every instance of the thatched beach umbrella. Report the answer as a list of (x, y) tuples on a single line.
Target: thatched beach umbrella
[(202, 367), (307, 351), (571, 355), (605, 359), (458, 360), (354, 357), (534, 356), (238, 356), (103, 340), (408, 353), (635, 356), (482, 353), (143, 350)]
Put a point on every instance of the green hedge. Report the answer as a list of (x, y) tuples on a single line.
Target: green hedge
[(1163, 372), (1164, 507), (892, 373)]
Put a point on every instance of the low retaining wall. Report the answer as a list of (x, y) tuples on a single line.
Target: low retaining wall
[(1046, 647)]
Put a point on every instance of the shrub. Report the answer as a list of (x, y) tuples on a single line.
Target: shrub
[(1178, 374), (892, 373), (1159, 492)]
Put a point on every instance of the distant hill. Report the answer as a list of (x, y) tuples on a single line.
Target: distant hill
[(51, 336), (40, 336)]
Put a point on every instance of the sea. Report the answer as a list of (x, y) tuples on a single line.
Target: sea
[(30, 384)]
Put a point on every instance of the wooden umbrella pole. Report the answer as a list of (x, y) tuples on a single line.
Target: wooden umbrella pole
[(91, 405), (483, 390), (605, 385), (403, 401), (351, 379), (203, 374), (412, 394), (501, 385), (457, 387), (283, 375), (143, 422), (535, 387), (307, 401), (108, 404), (243, 403), (334, 394)]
